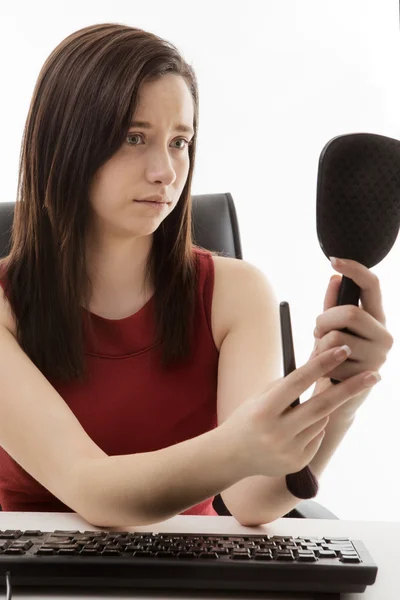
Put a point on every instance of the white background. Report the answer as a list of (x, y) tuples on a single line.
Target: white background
[(277, 79)]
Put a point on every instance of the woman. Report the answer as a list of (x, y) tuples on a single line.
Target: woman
[(140, 373)]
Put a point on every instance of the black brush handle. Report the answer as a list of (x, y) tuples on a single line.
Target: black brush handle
[(349, 293), (302, 484)]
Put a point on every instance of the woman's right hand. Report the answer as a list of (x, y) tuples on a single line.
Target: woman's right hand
[(275, 439)]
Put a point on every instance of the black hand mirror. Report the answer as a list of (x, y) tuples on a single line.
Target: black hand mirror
[(358, 202)]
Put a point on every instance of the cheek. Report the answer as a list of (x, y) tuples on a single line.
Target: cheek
[(183, 171), (107, 189)]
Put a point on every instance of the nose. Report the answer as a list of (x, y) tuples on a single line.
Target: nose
[(160, 169)]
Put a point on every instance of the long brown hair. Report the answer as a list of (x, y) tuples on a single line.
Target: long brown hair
[(78, 118)]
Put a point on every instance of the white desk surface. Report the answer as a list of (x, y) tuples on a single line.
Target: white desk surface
[(380, 538)]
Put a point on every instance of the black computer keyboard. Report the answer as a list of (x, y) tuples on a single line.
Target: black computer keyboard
[(185, 561)]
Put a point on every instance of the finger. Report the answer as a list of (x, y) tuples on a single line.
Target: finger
[(323, 404), (336, 338), (370, 290), (332, 292), (312, 447), (353, 318), (372, 355), (347, 370), (299, 380), (374, 360), (307, 435)]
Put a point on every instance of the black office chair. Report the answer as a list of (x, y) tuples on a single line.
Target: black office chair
[(215, 227)]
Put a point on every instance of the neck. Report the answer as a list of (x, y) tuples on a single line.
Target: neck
[(118, 266)]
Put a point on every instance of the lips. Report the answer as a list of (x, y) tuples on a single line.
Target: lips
[(150, 202), (156, 198)]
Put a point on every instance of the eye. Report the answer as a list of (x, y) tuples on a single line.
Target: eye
[(139, 135)]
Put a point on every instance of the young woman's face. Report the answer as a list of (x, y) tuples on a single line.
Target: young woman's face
[(151, 161)]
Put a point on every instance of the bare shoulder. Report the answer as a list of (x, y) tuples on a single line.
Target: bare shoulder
[(7, 319), (236, 282)]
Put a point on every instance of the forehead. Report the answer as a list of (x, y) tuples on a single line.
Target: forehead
[(168, 97)]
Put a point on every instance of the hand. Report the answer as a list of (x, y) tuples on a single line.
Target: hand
[(371, 341), (272, 438)]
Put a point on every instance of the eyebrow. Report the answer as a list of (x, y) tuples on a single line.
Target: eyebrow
[(147, 125)]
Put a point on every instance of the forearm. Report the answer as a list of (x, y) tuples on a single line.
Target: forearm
[(257, 500), (334, 434), (139, 489)]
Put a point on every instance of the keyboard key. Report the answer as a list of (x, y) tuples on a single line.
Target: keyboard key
[(240, 556), (281, 555), (61, 539), (67, 552), (110, 552), (263, 556), (347, 558), (10, 534), (327, 554), (306, 558), (24, 544)]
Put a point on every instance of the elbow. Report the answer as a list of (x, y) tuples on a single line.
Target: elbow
[(103, 518), (250, 521), (247, 522), (94, 505), (108, 511), (247, 516), (98, 515), (92, 502), (106, 505), (102, 512), (103, 523)]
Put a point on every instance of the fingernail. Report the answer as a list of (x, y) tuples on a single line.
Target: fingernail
[(341, 352), (336, 262), (371, 379)]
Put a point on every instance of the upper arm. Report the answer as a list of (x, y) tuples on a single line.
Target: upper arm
[(37, 428), (250, 354)]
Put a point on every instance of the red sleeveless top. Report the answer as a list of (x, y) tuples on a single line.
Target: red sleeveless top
[(128, 404)]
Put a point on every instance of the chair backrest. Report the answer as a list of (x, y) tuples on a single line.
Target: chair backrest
[(215, 224)]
